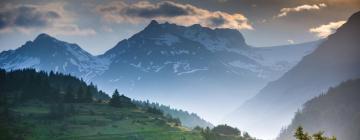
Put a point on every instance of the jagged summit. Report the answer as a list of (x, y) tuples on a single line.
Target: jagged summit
[(153, 22), (44, 37), (169, 34)]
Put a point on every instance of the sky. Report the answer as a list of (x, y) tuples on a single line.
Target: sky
[(99, 25)]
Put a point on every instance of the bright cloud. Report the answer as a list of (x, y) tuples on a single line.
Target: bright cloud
[(183, 14), (327, 29), (285, 11), (51, 18), (291, 41)]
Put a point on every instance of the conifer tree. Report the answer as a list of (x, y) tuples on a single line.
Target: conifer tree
[(88, 95), (115, 99), (301, 135), (69, 96)]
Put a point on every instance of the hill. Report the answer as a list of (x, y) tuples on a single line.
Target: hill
[(41, 106)]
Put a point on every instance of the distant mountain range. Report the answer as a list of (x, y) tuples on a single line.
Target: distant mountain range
[(193, 67), (336, 60)]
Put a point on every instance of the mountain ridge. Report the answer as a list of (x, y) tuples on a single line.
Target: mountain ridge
[(178, 58), (335, 112)]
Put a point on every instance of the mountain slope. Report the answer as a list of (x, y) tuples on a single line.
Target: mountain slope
[(337, 113), (190, 120), (35, 106), (336, 60), (47, 53)]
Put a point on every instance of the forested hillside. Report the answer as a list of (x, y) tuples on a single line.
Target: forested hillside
[(41, 106), (22, 85), (190, 120), (337, 113)]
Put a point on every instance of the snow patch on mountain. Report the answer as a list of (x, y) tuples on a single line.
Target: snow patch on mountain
[(212, 44), (78, 53), (192, 71), (251, 67), (20, 62), (167, 39)]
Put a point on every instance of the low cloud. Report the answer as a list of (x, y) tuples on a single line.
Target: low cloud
[(326, 29), (51, 18), (69, 29), (285, 11), (183, 14), (26, 16)]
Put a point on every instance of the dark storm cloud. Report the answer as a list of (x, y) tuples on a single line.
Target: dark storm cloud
[(26, 17), (164, 9), (297, 17), (217, 21), (183, 14)]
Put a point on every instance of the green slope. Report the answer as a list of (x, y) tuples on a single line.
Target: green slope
[(94, 121), (52, 106)]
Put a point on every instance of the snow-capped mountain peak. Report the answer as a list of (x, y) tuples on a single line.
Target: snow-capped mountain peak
[(48, 53)]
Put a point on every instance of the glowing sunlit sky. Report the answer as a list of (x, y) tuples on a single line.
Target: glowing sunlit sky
[(98, 25)]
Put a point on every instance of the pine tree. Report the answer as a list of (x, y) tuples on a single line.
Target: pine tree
[(319, 136), (301, 135), (115, 99), (80, 95), (88, 95), (69, 96)]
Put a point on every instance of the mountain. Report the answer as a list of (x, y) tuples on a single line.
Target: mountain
[(337, 113), (179, 65), (192, 68), (336, 60), (49, 54)]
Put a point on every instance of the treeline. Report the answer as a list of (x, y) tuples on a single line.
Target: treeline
[(300, 134), (337, 113), (118, 100), (27, 84), (190, 120), (60, 91), (223, 132)]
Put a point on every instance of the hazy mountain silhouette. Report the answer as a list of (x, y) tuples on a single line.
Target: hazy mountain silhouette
[(336, 60), (337, 113)]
